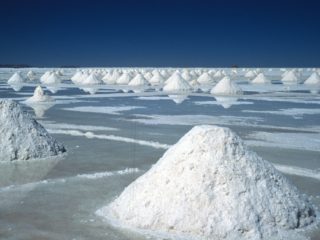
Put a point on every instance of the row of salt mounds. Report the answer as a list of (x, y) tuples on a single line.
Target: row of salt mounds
[(314, 79), (22, 137), (210, 186)]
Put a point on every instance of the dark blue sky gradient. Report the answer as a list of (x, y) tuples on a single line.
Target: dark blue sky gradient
[(160, 33)]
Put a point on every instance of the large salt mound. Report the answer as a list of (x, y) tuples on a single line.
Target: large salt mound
[(226, 87), (176, 84), (210, 186), (22, 137)]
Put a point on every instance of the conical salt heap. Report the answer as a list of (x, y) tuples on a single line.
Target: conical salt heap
[(23, 138), (39, 96), (226, 87), (210, 186)]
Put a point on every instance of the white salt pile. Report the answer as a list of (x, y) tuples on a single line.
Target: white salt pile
[(290, 77), (205, 79), (45, 76), (92, 79), (22, 137), (138, 81), (16, 79), (176, 84), (250, 74), (314, 79), (226, 87), (124, 79), (51, 79), (39, 96), (157, 79), (210, 186), (261, 79), (31, 75)]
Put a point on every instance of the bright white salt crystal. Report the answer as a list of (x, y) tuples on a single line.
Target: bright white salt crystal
[(210, 186), (226, 87), (22, 137)]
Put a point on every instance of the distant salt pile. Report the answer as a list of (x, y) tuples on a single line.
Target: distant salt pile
[(226, 87), (31, 75), (44, 77), (290, 77), (250, 74), (51, 79), (314, 79), (219, 74), (16, 79), (22, 137), (138, 81), (39, 96), (176, 84), (157, 79), (91, 79), (186, 75), (261, 79), (124, 79), (205, 79), (77, 77), (210, 186)]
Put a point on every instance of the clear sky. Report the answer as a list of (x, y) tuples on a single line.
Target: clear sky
[(160, 33)]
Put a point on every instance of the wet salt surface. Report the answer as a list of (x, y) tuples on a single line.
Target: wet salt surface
[(57, 199)]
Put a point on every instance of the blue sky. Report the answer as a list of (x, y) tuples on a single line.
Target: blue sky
[(160, 33)]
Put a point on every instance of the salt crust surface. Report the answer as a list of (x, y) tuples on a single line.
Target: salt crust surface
[(210, 186), (23, 138)]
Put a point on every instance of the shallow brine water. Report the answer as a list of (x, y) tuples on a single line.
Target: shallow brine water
[(114, 137)]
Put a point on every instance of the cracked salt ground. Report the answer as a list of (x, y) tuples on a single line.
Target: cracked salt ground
[(58, 199)]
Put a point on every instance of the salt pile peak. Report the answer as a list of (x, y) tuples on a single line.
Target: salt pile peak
[(261, 79), (205, 78), (138, 80), (313, 79), (22, 137), (226, 87), (210, 186), (39, 96), (176, 84)]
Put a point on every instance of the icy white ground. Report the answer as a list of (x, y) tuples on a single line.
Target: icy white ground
[(115, 132)]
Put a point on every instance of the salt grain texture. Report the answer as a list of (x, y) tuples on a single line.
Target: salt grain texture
[(23, 138), (210, 186)]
